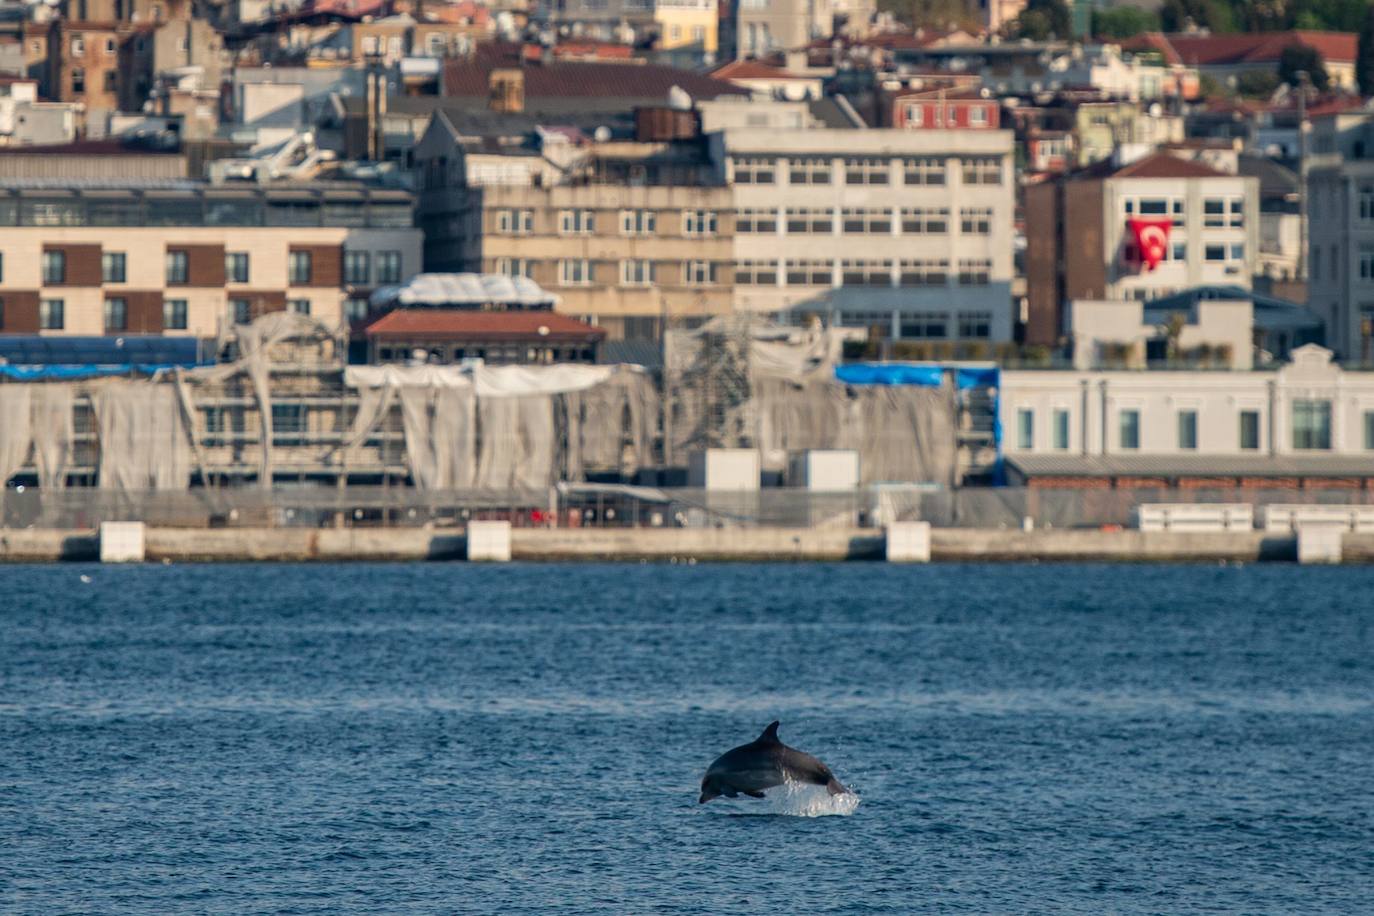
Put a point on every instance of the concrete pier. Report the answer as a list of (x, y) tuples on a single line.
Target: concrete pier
[(334, 545), (908, 542), (121, 542)]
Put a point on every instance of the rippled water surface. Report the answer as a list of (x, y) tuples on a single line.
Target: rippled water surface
[(444, 738)]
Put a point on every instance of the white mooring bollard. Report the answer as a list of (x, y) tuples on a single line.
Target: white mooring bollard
[(1319, 544), (908, 542), (121, 542), (489, 542)]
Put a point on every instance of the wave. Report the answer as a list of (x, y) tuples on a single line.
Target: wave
[(795, 799)]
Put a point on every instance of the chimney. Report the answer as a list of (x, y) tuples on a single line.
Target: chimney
[(507, 90)]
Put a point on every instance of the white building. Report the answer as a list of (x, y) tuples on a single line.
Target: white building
[(910, 231), (1340, 212), (1310, 408)]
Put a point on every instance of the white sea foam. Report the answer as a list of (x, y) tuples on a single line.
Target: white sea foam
[(805, 800)]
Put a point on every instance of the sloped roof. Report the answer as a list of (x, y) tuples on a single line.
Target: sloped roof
[(1155, 165), (755, 70), (566, 79), (469, 324), (1252, 48)]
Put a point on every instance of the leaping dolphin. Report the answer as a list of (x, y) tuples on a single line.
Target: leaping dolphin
[(762, 764)]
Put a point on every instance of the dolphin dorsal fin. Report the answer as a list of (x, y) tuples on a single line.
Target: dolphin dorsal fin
[(770, 734)]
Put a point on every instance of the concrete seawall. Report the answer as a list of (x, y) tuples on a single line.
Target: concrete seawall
[(294, 545)]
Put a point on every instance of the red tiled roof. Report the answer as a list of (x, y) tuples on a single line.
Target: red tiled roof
[(465, 324), (1252, 48), (754, 70), (1155, 165), (469, 77)]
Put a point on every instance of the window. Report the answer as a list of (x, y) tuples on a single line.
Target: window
[(982, 170), (357, 267), (808, 170), (1151, 207), (806, 220), (1238, 252), (925, 170), (1180, 252), (288, 418), (1187, 430), (923, 273), (1213, 213), (755, 170), (974, 271), (700, 273), (112, 267), (576, 222), (1061, 429), (177, 266), (975, 220), (637, 222), (810, 273), (388, 266), (1366, 201), (975, 325), (512, 267), (54, 267), (52, 314), (109, 46), (78, 45), (236, 267), (1237, 208), (756, 221), (756, 273), (865, 273), (978, 116), (174, 314), (1025, 428), (355, 309), (866, 222), (78, 80), (1311, 424), (1249, 430), (636, 272), (299, 306), (574, 272), (866, 171), (241, 310), (110, 82), (925, 325), (116, 315), (923, 221), (915, 115), (1129, 428), (514, 222), (1214, 252), (1369, 430), (699, 222), (298, 268)]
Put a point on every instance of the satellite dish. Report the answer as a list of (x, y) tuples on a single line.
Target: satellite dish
[(1156, 110), (679, 100), (601, 134)]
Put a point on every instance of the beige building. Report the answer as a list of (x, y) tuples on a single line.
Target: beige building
[(908, 232), (627, 234), (124, 257)]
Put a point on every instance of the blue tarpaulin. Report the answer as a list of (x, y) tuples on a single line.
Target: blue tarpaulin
[(914, 374), (124, 350), (68, 373)]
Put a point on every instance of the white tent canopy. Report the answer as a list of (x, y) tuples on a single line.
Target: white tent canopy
[(466, 290)]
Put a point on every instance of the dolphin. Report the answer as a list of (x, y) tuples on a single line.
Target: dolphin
[(762, 764)]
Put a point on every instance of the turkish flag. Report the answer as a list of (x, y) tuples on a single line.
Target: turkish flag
[(1151, 239)]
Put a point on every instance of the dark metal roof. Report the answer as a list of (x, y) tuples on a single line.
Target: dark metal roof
[(1192, 465)]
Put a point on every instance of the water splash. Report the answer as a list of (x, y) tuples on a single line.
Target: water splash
[(804, 800)]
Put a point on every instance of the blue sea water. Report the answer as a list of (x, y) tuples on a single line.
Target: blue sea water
[(453, 738)]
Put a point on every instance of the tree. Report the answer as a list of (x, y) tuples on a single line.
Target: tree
[(1257, 83), (1297, 58), (1042, 20), (1364, 58), (1123, 22)]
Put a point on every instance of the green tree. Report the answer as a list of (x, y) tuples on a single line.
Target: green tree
[(1123, 22), (1042, 20), (1216, 15), (1297, 58), (1257, 83), (1364, 58)]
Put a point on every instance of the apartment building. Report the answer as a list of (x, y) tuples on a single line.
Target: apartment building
[(1309, 418), (903, 232), (628, 234), (664, 25), (93, 257), (1138, 229), (1340, 213), (764, 26)]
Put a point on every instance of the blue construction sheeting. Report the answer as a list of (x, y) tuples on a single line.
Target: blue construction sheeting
[(147, 349), (915, 374), (69, 373)]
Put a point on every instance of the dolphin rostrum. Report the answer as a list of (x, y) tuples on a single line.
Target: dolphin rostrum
[(763, 764)]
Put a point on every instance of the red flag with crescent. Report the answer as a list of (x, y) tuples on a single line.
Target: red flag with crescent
[(1151, 239)]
